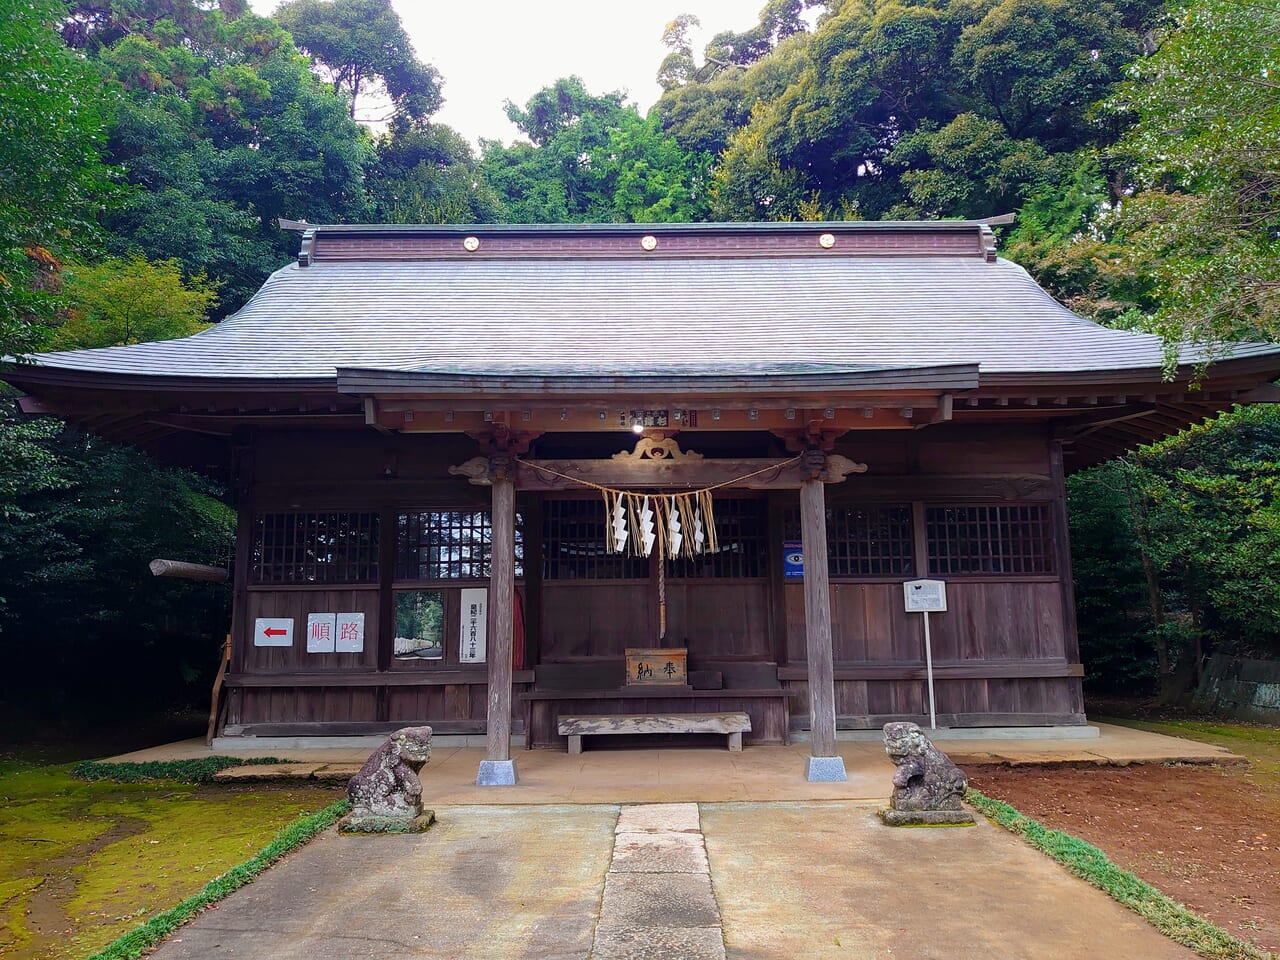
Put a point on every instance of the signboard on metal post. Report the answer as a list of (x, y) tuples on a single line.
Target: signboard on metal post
[(926, 597)]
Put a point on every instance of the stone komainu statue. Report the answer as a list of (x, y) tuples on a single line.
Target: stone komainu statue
[(387, 792), (927, 786)]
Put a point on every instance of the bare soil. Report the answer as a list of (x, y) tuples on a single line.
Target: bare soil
[(1208, 836)]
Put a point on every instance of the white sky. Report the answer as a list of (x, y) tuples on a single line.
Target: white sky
[(500, 50)]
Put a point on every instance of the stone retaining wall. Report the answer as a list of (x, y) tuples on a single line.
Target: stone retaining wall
[(1243, 689)]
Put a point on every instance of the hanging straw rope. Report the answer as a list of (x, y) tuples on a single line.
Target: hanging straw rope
[(690, 506)]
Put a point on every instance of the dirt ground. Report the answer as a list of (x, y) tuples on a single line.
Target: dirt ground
[(1206, 836)]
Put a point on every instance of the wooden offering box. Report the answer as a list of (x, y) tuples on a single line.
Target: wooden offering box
[(657, 666)]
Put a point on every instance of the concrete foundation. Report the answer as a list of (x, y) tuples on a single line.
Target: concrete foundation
[(825, 770), (496, 773)]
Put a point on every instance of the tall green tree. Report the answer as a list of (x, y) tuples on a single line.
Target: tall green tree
[(362, 48), (1202, 213), (221, 138), (593, 159), (53, 184), (427, 173)]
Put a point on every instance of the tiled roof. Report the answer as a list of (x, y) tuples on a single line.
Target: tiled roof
[(575, 316)]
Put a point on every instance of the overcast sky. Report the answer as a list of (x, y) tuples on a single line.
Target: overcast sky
[(500, 50)]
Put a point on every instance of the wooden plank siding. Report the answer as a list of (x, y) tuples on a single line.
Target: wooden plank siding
[(1005, 650)]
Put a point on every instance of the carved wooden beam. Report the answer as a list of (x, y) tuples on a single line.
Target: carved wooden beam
[(752, 474)]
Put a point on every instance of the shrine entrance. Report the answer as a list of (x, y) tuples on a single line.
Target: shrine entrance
[(661, 549)]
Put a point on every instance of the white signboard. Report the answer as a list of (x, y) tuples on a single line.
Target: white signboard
[(273, 632), (320, 632), (349, 633), (475, 625), (925, 596)]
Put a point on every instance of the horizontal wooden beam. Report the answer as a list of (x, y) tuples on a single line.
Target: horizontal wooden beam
[(684, 474), (942, 670), (368, 678)]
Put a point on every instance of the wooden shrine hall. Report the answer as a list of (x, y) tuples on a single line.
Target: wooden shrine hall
[(555, 481)]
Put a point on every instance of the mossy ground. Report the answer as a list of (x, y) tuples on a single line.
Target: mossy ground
[(1259, 742), (80, 863)]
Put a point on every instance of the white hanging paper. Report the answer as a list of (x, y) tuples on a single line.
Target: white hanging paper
[(647, 536), (699, 537), (620, 533), (674, 536)]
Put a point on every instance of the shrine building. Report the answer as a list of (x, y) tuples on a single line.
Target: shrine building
[(489, 478)]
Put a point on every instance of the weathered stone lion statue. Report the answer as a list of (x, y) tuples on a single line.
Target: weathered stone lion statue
[(386, 795), (927, 786)]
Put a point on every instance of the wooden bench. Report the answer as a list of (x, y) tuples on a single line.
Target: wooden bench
[(732, 725)]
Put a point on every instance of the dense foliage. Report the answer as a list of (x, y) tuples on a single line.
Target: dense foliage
[(1177, 552)]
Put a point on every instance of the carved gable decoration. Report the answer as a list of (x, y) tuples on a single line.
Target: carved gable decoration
[(655, 448)]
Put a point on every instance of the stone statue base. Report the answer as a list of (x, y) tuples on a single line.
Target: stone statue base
[(927, 818), (375, 823), (927, 786)]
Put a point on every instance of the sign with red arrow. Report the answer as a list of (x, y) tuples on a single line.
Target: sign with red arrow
[(273, 632)]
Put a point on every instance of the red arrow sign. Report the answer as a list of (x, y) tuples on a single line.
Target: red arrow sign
[(274, 632)]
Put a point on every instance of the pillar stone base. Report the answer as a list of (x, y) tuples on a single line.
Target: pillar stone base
[(501, 773), (825, 770)]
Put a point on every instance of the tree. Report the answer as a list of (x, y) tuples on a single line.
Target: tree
[(427, 173), (1202, 214), (1177, 549), (220, 139), (122, 301), (361, 48), (53, 183), (592, 159)]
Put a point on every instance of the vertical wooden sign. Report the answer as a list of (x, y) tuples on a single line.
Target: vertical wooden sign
[(474, 628)]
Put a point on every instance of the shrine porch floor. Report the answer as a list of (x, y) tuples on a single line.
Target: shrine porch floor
[(605, 774)]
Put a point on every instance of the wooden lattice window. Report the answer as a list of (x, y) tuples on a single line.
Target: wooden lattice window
[(315, 548), (864, 541), (989, 539), (573, 544), (449, 545), (742, 529)]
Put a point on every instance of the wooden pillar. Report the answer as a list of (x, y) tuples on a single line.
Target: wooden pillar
[(824, 763), (497, 768)]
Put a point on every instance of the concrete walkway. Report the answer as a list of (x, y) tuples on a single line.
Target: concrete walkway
[(743, 881)]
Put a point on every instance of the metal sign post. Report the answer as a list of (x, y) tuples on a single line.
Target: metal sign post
[(927, 596)]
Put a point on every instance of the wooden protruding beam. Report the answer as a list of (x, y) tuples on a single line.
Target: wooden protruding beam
[(188, 571)]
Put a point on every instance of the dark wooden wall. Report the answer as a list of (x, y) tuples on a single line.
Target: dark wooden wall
[(1004, 652)]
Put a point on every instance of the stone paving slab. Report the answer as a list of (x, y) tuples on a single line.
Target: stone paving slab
[(500, 882), (659, 853), (827, 880), (267, 771)]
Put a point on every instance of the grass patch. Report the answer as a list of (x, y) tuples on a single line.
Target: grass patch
[(198, 770), (142, 938), (1092, 865)]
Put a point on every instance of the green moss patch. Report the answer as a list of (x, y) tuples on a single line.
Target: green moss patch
[(1092, 865), (82, 862), (199, 770), (147, 935)]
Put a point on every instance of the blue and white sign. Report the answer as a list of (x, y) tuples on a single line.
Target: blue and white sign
[(792, 560)]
